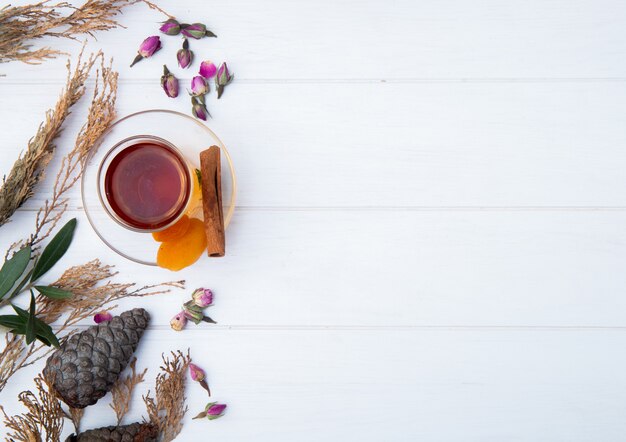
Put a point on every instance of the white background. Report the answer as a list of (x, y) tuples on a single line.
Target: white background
[(430, 236)]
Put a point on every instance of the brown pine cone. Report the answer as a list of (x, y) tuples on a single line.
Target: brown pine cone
[(137, 432), (87, 365)]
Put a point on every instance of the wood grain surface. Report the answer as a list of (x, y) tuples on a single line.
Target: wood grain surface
[(431, 226)]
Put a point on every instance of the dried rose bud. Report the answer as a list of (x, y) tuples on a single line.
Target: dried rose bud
[(169, 83), (222, 79), (102, 317), (193, 312), (198, 109), (179, 321), (207, 69), (147, 48), (184, 55), (170, 27), (196, 30), (198, 375), (202, 297), (212, 411), (199, 87)]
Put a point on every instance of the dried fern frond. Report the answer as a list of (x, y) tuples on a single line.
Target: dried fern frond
[(43, 419), (122, 391), (92, 291), (21, 25), (28, 170), (167, 409)]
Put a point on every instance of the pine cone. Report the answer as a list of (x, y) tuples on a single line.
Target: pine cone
[(125, 433), (88, 363)]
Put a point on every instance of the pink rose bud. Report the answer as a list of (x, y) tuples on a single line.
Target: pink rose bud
[(212, 411), (184, 55), (102, 317), (197, 374), (199, 86), (198, 109), (179, 321), (202, 297), (196, 30), (222, 79), (170, 27), (149, 46), (215, 410), (169, 83), (207, 69)]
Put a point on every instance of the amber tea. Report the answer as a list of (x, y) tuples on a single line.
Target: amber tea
[(147, 185)]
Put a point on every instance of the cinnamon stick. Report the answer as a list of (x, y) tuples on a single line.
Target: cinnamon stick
[(210, 168)]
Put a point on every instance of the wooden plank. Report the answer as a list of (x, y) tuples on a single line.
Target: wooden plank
[(394, 145), (372, 40), (393, 385), (398, 268)]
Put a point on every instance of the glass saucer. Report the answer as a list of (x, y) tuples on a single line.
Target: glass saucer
[(190, 136)]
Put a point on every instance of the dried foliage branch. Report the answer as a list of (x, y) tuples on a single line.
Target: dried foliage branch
[(100, 116), (167, 409), (122, 391), (43, 419), (29, 168), (21, 25), (92, 291), (76, 416)]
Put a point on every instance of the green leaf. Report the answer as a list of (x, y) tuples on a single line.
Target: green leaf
[(44, 331), (12, 269), (12, 321), (30, 323), (55, 249), (53, 292)]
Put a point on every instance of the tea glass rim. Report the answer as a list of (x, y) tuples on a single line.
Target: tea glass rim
[(102, 174)]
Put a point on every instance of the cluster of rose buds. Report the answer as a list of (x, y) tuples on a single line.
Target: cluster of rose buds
[(184, 57), (193, 310), (195, 30)]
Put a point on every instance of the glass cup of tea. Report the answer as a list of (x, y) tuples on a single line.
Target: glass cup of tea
[(145, 183)]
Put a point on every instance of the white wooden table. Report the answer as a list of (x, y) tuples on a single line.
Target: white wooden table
[(430, 236)]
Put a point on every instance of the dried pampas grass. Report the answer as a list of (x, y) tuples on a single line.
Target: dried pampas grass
[(28, 170)]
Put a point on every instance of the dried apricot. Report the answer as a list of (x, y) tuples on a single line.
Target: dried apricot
[(184, 250), (174, 231)]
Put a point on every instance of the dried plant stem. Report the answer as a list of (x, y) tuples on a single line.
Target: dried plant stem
[(167, 409), (43, 419), (28, 170), (122, 391), (20, 25)]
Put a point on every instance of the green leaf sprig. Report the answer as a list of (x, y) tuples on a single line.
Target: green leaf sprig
[(15, 278)]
